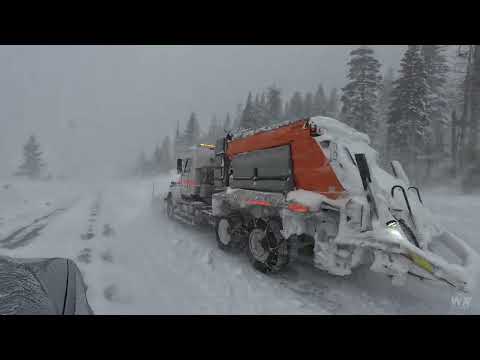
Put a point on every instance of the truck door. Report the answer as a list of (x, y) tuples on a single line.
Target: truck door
[(186, 179)]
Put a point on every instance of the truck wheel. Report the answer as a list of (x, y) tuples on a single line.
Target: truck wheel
[(170, 210), (223, 231), (267, 252)]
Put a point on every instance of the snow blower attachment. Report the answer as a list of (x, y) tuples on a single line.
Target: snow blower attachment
[(312, 189)]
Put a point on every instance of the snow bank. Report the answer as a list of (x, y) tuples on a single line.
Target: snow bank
[(151, 265), (22, 202)]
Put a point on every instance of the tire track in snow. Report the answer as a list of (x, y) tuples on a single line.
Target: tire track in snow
[(164, 267), (97, 259), (26, 234), (92, 220), (85, 255), (230, 276)]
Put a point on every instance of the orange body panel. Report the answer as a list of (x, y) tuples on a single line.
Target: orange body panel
[(311, 168)]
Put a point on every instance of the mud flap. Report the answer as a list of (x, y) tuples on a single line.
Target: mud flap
[(325, 256), (394, 265)]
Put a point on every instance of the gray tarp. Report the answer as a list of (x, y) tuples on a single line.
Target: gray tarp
[(42, 286)]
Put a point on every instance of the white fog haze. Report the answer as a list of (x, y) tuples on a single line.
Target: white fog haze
[(93, 108), (228, 179)]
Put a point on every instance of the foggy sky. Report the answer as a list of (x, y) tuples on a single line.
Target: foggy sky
[(94, 108)]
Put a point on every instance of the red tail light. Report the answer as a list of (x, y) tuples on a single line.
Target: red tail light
[(259, 202), (299, 208)]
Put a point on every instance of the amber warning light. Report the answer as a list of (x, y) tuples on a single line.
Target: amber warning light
[(208, 146)]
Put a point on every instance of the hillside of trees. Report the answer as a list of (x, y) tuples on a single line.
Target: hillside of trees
[(425, 114), (266, 108)]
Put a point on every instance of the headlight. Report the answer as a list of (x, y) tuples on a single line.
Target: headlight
[(394, 229)]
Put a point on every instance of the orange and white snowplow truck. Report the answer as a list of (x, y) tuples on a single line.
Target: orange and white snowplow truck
[(312, 189)]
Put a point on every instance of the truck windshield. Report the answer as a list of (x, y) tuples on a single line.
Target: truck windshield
[(188, 165)]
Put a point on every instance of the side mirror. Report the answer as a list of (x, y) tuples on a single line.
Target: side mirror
[(179, 166), (220, 146), (364, 170)]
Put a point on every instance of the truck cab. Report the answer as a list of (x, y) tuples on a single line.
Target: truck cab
[(196, 169)]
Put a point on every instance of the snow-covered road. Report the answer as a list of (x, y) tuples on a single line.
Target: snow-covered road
[(135, 261)]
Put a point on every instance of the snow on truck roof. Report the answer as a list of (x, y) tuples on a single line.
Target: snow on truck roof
[(355, 142), (242, 133), (330, 126), (331, 129), (339, 130)]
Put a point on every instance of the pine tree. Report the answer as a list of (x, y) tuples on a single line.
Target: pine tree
[(227, 125), (257, 110), (274, 104), (166, 161), (213, 130), (460, 127), (332, 104), (181, 141), (296, 108), (384, 102), (286, 111), (436, 69), (409, 130), (177, 132), (192, 132), (308, 105), (385, 94), (319, 102), (471, 112), (32, 160), (177, 141), (238, 116), (475, 123), (157, 159), (261, 114), (248, 120), (361, 93), (263, 100)]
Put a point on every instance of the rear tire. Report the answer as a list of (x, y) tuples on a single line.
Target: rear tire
[(229, 233), (223, 232), (170, 209), (267, 253)]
